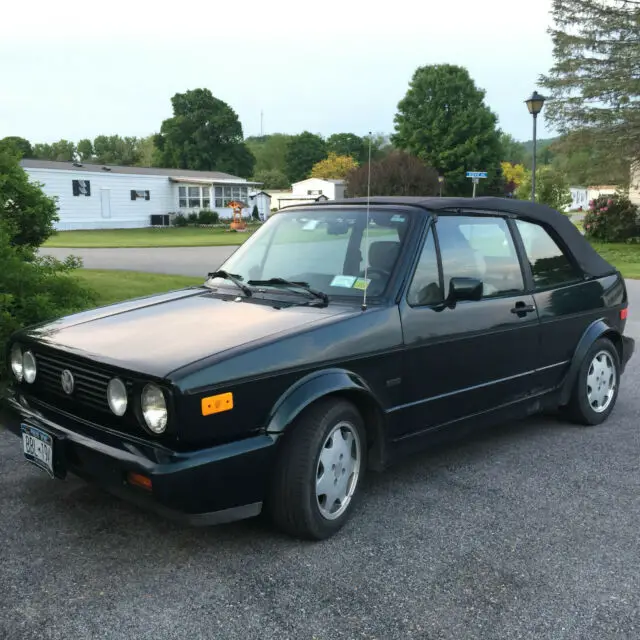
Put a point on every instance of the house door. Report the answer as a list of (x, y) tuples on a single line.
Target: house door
[(105, 202)]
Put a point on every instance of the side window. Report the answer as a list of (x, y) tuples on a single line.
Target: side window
[(425, 285), (479, 247), (549, 265)]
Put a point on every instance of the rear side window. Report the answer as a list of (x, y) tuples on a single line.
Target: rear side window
[(550, 266)]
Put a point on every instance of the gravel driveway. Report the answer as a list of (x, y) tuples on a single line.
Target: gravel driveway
[(527, 531)]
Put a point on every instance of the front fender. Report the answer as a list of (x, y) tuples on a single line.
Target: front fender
[(312, 388), (595, 330)]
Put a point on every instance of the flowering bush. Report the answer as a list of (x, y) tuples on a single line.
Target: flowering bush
[(611, 219)]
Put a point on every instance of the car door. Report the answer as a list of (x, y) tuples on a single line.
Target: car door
[(469, 357)]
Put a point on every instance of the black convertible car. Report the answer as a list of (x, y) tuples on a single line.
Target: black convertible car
[(339, 337)]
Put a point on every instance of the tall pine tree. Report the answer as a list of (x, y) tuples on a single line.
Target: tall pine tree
[(594, 84)]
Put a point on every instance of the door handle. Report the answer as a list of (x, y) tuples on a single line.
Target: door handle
[(523, 307)]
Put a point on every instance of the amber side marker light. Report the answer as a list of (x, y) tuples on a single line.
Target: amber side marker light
[(624, 313), (138, 480), (217, 404)]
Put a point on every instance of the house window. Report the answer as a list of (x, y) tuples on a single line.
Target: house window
[(224, 195), (314, 192), (194, 197), (139, 194), (81, 187)]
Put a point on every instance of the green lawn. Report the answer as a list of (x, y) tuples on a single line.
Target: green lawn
[(114, 286), (624, 256), (148, 237)]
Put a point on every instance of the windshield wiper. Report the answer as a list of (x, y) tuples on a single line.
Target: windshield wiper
[(321, 295), (233, 278)]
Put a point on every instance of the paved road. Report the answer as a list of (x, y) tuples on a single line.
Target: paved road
[(188, 261), (527, 531)]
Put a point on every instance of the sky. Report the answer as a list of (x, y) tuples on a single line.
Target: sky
[(71, 70)]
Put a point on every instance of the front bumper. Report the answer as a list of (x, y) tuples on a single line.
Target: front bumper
[(208, 486)]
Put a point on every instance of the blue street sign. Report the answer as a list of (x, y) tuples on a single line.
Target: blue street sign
[(476, 174)]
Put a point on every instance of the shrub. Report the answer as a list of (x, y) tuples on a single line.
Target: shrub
[(255, 214), (27, 212), (179, 220), (208, 217), (611, 219), (35, 290), (193, 218)]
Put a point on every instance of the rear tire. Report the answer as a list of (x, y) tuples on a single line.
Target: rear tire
[(319, 470), (596, 386)]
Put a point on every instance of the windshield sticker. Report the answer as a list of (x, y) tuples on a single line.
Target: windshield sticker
[(397, 218), (343, 281), (361, 283), (311, 225)]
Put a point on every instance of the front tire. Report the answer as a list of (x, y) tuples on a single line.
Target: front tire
[(319, 470), (596, 387)]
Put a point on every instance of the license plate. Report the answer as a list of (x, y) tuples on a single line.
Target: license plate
[(38, 448)]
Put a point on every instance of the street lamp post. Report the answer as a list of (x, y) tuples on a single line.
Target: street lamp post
[(534, 104), (440, 183)]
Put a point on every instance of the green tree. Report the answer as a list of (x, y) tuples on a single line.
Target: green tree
[(594, 83), (20, 145), (348, 144), (26, 212), (397, 174), (270, 151), (381, 146), (146, 151), (303, 151), (552, 188), (116, 150), (444, 121), (588, 164), (62, 151), (272, 179), (513, 151), (85, 150), (204, 134)]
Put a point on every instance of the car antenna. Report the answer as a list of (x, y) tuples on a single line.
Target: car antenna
[(366, 242)]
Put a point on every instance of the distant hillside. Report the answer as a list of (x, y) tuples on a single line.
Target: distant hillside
[(542, 143)]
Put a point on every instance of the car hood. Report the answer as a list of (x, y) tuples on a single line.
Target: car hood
[(160, 334)]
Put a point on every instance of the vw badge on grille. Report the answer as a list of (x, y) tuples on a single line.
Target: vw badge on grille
[(67, 381)]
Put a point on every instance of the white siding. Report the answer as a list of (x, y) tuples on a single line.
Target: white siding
[(85, 212), (325, 188)]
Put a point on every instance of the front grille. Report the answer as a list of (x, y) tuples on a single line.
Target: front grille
[(89, 397), (90, 384)]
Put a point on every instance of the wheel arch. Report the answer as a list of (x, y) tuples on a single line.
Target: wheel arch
[(333, 383), (596, 330)]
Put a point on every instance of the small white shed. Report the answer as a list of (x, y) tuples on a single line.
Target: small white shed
[(262, 200)]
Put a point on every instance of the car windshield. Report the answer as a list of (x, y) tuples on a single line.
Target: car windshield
[(324, 248)]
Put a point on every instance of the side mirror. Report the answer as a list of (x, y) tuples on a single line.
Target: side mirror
[(465, 289)]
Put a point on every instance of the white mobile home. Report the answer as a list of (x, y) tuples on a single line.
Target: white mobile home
[(92, 196)]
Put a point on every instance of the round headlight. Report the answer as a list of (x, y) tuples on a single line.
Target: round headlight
[(16, 361), (117, 396), (154, 408), (29, 369)]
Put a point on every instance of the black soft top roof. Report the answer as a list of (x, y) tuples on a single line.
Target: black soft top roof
[(590, 261)]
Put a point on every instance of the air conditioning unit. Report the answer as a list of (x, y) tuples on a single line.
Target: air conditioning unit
[(160, 220)]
